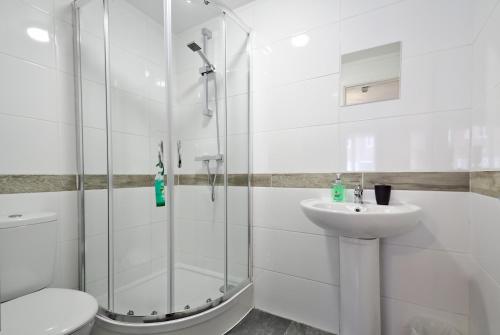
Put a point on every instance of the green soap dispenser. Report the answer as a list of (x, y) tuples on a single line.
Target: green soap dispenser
[(338, 190)]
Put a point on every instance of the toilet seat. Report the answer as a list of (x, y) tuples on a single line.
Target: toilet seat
[(50, 311)]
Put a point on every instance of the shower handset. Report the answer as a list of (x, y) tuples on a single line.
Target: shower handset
[(160, 153), (208, 72), (179, 154)]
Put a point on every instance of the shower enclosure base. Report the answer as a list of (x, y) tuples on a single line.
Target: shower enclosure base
[(194, 286), (359, 287), (217, 320)]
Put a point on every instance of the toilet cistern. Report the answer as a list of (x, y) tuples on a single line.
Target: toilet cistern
[(28, 245)]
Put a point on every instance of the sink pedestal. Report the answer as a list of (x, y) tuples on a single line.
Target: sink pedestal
[(359, 254), (359, 286)]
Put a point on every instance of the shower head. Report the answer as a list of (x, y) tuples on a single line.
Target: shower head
[(196, 48)]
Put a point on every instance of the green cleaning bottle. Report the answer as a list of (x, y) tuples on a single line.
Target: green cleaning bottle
[(160, 184), (338, 190)]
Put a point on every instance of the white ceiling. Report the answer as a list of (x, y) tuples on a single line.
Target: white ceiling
[(185, 13)]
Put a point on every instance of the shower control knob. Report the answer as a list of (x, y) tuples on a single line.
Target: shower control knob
[(130, 312), (187, 307), (154, 313), (209, 300)]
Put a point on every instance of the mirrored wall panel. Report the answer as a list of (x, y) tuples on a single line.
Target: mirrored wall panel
[(371, 75)]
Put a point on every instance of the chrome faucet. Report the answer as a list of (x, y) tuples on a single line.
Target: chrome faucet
[(358, 194)]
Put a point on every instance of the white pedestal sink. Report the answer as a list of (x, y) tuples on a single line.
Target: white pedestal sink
[(360, 228)]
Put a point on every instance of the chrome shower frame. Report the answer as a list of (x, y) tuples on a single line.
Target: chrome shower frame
[(77, 5), (168, 33), (80, 177)]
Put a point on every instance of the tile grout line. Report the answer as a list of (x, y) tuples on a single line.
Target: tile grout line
[(297, 277), (485, 22), (400, 116), (423, 306), (325, 234)]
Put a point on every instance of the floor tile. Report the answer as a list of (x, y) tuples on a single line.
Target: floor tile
[(261, 323), (296, 328), (258, 322)]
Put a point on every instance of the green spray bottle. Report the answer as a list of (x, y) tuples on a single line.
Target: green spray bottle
[(160, 179)]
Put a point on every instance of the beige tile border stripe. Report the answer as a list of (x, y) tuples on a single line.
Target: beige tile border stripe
[(100, 182), (419, 181), (11, 184), (484, 182), (306, 180)]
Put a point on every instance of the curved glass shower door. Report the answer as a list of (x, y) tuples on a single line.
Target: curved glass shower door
[(123, 122), (210, 132), (198, 128), (140, 133), (139, 136)]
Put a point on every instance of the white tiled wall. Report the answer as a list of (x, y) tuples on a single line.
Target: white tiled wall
[(485, 282), (299, 127), (36, 91), (296, 88), (485, 155), (37, 134), (426, 271)]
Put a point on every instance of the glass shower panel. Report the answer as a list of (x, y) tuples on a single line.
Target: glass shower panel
[(127, 139), (238, 104), (139, 135), (93, 133), (198, 143)]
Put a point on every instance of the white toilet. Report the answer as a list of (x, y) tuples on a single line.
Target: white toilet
[(27, 265)]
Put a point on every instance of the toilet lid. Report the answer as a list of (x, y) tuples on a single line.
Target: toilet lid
[(51, 311)]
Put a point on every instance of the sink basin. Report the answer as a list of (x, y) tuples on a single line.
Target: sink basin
[(368, 220)]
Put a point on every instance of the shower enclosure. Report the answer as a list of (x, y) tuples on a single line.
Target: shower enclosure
[(162, 104)]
